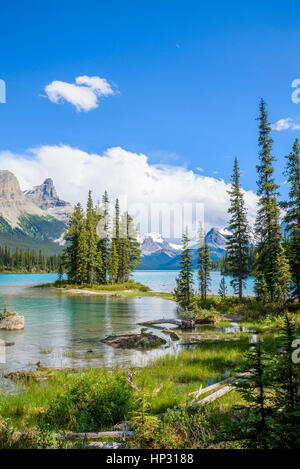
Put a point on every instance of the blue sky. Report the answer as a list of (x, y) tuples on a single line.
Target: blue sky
[(189, 76)]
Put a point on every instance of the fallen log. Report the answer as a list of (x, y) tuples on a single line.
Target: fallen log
[(212, 397), (215, 386), (94, 436), (101, 444), (125, 426), (182, 323)]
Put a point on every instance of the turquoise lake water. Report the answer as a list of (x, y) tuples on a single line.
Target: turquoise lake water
[(65, 331)]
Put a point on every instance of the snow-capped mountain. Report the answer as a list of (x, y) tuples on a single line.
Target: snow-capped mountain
[(159, 253)]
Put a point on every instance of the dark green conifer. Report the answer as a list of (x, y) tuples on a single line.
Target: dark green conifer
[(237, 245), (184, 282), (271, 263), (292, 217), (204, 264)]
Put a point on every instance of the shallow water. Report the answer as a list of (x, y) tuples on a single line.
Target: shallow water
[(65, 331)]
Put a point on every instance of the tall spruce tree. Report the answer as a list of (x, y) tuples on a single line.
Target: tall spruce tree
[(237, 245), (123, 271), (271, 264), (92, 240), (82, 256), (71, 252), (292, 216), (104, 234), (204, 264), (113, 262), (184, 282), (133, 246)]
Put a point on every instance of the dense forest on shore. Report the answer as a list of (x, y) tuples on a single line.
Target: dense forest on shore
[(27, 261)]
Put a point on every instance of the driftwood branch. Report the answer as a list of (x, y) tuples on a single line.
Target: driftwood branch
[(182, 323), (215, 386), (229, 386), (131, 383), (212, 397)]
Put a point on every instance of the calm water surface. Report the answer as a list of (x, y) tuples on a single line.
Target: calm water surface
[(64, 331)]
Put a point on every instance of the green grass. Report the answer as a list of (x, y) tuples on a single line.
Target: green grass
[(73, 401), (165, 384), (128, 289)]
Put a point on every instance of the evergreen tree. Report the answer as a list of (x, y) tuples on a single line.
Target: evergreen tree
[(113, 262), (237, 245), (92, 240), (271, 261), (204, 264), (123, 270), (285, 376), (60, 272), (71, 252), (133, 246), (253, 430), (119, 247), (292, 216), (223, 289), (184, 282), (104, 236), (82, 257)]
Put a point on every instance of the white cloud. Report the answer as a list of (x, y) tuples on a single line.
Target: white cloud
[(84, 95), (285, 124), (123, 173)]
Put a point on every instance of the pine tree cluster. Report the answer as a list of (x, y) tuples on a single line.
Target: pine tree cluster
[(100, 249)]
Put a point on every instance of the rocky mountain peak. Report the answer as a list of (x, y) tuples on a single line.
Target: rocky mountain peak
[(46, 198), (45, 195), (9, 186), (215, 239)]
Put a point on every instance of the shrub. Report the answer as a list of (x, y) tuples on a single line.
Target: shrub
[(27, 438), (91, 400), (181, 429)]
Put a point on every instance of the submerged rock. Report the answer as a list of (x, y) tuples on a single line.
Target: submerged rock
[(134, 340), (12, 322), (172, 334), (6, 343)]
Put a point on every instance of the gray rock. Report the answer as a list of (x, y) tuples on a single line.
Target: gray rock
[(134, 340), (6, 343), (12, 322)]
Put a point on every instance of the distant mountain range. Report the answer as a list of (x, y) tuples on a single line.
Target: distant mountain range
[(37, 219), (158, 253), (34, 219)]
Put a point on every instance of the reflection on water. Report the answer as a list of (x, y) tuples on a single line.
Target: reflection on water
[(165, 281), (65, 331)]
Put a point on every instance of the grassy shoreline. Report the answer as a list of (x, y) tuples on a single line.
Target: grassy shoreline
[(127, 290), (166, 383), (89, 400)]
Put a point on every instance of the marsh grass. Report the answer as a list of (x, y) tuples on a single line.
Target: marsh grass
[(166, 382)]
